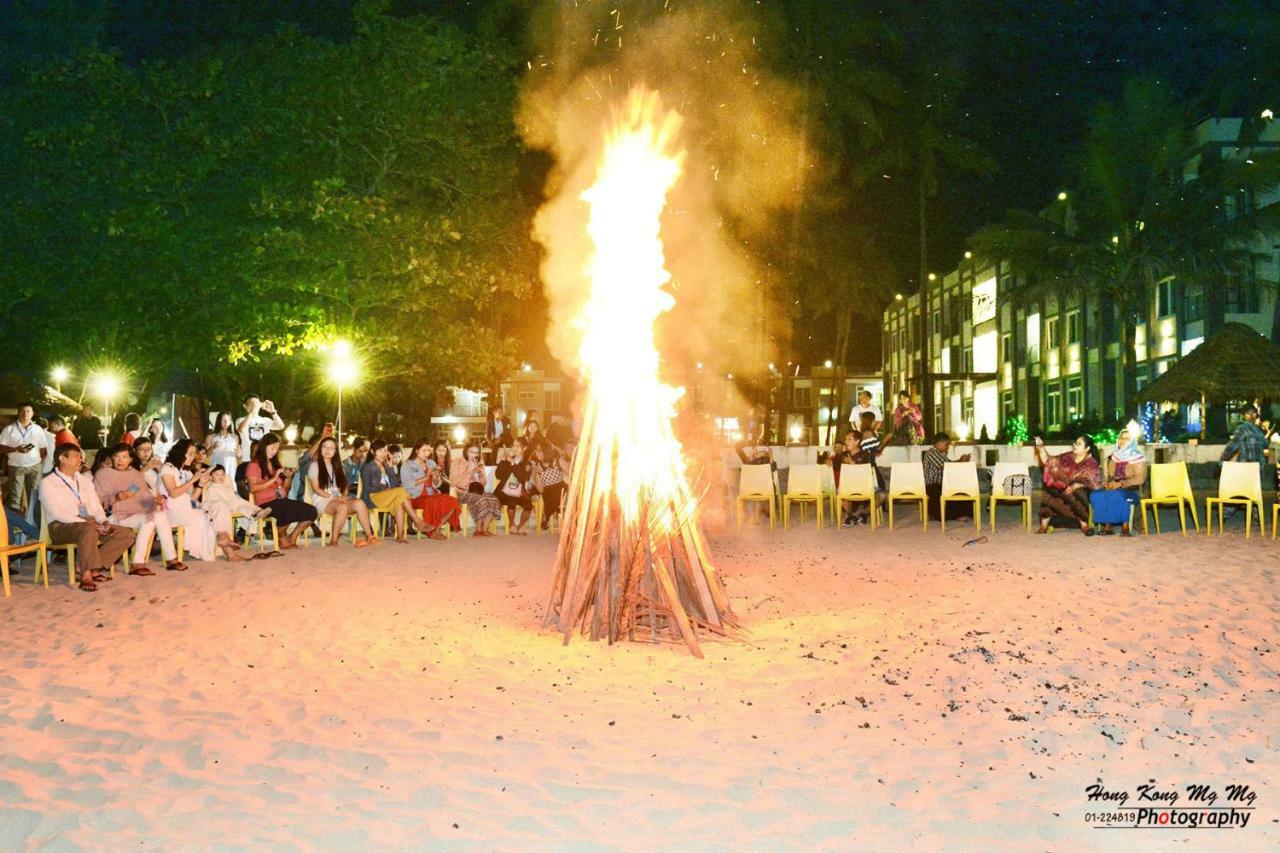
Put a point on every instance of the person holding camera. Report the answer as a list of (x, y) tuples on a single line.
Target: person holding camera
[(181, 490), (269, 484), (27, 446), (258, 420)]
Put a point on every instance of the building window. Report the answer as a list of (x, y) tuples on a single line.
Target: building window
[(1142, 376), (966, 412), (1053, 407), (937, 416), (1006, 407), (1193, 303), (802, 396), (1073, 327), (1241, 297), (935, 323), (1164, 298), (1051, 339), (1075, 400), (1006, 344), (552, 403), (1033, 338), (967, 359)]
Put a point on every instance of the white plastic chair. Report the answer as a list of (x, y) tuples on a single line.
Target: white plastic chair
[(804, 485), (960, 485), (999, 473), (906, 483), (857, 483), (1240, 483), (755, 483)]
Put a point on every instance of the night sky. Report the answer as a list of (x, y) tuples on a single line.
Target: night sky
[(1034, 70)]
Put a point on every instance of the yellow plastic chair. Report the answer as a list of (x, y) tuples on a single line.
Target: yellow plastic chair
[(179, 541), (42, 570), (999, 473), (804, 486), (960, 485), (906, 483), (1170, 486), (1240, 483), (755, 483), (829, 489), (857, 483), (8, 550), (1275, 518)]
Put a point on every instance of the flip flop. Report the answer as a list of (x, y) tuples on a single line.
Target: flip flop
[(141, 571), (100, 577), (88, 586), (262, 555), (271, 554), (176, 566)]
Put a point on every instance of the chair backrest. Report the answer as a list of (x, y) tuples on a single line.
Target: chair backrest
[(828, 479), (906, 478), (490, 482), (1241, 480), (755, 481), (800, 456), (1001, 470), (805, 481), (857, 480), (4, 530), (960, 478), (1170, 480)]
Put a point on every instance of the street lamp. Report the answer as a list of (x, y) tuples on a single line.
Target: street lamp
[(343, 370), (106, 387), (459, 434), (60, 374)]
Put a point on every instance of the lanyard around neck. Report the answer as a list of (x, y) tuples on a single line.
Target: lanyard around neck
[(67, 483)]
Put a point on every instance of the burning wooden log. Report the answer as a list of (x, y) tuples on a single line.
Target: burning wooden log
[(632, 562)]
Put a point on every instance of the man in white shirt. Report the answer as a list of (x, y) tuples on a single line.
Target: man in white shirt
[(864, 405), (75, 517), (256, 423), (26, 445)]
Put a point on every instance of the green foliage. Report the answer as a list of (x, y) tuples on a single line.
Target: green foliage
[(1015, 430), (233, 211)]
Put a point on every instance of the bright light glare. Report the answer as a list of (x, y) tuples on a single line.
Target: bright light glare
[(106, 387), (827, 364), (61, 374), (1062, 196), (795, 432), (291, 433), (343, 373), (459, 434), (341, 348)]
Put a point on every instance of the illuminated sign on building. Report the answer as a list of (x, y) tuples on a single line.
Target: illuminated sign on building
[(984, 301)]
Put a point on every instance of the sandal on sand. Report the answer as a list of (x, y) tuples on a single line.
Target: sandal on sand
[(88, 585), (176, 566), (101, 577), (277, 553), (261, 555), (361, 543), (142, 571)]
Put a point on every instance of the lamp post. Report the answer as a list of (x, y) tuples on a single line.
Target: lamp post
[(60, 374), (343, 371), (106, 387)]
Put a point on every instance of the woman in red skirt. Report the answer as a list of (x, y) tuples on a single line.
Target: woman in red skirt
[(428, 488)]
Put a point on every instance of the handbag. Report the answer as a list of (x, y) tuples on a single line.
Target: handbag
[(512, 488), (1018, 485)]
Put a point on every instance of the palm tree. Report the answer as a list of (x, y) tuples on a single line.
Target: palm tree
[(1152, 202), (922, 138)]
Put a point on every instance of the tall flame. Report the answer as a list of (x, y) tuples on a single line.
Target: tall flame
[(628, 406)]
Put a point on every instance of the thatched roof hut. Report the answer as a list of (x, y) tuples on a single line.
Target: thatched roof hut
[(1235, 364)]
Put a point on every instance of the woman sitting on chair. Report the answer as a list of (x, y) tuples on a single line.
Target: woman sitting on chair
[(425, 482), (380, 492), (1126, 472), (1068, 479), (269, 483), (330, 493)]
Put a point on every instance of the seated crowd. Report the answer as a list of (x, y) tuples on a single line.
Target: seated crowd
[(205, 499)]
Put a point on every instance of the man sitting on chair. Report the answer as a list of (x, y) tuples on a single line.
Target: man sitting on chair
[(75, 516), (935, 461)]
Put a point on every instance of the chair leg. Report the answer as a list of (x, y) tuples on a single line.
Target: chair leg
[(4, 573), (71, 565), (1182, 519), (1194, 517), (890, 513)]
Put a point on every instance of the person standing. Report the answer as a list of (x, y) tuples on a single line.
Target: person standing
[(132, 428), (258, 420), (1248, 441), (27, 446), (224, 444), (56, 434), (864, 407), (89, 429), (908, 421), (76, 517)]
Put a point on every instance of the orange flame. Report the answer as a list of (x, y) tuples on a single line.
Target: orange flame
[(636, 454)]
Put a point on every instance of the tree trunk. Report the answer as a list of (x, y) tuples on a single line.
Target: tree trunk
[(926, 391), (1129, 402)]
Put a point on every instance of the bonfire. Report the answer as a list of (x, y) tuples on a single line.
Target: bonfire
[(632, 562)]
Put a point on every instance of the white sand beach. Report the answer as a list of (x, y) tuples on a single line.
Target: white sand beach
[(898, 690)]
